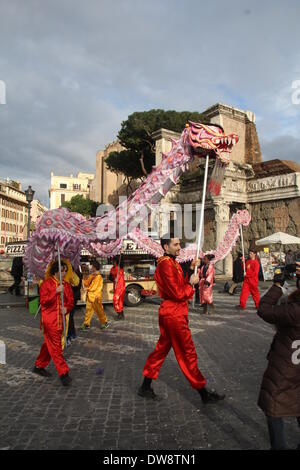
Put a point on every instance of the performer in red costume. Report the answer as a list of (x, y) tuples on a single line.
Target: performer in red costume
[(51, 313), (117, 276), (250, 284), (176, 291), (207, 275)]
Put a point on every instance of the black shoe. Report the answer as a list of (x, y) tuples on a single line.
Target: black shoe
[(147, 393), (121, 316), (66, 379), (210, 396), (41, 371)]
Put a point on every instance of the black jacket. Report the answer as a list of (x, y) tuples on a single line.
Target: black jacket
[(238, 271), (17, 267)]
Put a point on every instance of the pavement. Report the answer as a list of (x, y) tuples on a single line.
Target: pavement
[(103, 411), (8, 300)]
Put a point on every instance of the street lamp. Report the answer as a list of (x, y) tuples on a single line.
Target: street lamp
[(29, 198)]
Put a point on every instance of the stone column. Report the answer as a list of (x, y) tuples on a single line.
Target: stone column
[(222, 217), (163, 142)]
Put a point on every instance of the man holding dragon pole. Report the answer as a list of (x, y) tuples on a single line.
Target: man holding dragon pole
[(176, 291)]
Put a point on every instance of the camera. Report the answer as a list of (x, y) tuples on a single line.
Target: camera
[(279, 275)]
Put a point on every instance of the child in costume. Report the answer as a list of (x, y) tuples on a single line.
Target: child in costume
[(207, 274), (93, 284)]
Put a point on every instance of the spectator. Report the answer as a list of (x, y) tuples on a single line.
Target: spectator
[(280, 388), (238, 273), (75, 282), (290, 263), (17, 273)]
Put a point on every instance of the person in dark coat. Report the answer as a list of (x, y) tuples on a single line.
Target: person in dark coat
[(17, 273), (238, 273), (280, 389), (76, 294)]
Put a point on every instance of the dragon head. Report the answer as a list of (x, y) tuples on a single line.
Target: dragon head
[(210, 137)]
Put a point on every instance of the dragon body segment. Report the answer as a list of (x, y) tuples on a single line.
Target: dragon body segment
[(103, 236)]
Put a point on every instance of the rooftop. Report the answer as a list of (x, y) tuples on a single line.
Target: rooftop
[(275, 167)]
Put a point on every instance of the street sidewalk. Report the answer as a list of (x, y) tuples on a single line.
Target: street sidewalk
[(8, 300)]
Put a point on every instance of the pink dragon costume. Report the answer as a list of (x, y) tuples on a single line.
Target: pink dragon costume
[(206, 284), (103, 236)]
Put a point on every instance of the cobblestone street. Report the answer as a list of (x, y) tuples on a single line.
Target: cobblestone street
[(104, 411)]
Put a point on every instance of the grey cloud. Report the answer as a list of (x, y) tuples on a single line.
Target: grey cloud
[(283, 147), (75, 70)]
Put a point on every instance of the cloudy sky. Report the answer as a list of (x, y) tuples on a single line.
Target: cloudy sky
[(75, 69)]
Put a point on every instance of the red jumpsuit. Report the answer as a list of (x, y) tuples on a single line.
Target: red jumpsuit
[(175, 291), (119, 289), (250, 284), (52, 324)]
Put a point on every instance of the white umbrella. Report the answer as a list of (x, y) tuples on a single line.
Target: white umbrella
[(279, 237)]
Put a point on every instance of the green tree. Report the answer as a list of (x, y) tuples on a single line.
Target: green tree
[(135, 135), (82, 205)]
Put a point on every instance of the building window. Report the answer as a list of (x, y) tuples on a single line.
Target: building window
[(63, 186), (21, 217), (62, 198), (76, 187), (2, 226), (2, 240)]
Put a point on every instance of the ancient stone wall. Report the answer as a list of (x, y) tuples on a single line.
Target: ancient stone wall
[(210, 229), (252, 146), (273, 216)]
